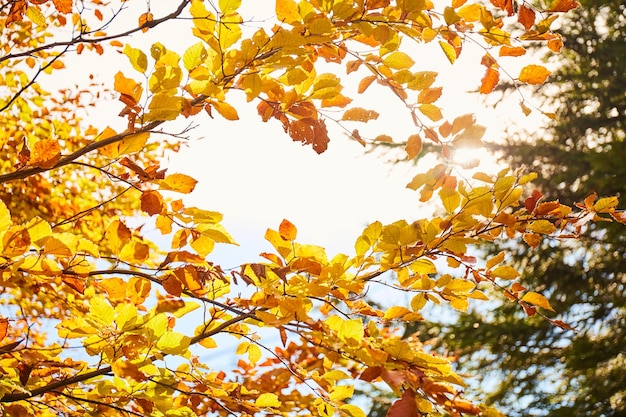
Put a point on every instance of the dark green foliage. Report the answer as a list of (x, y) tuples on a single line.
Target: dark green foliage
[(530, 366)]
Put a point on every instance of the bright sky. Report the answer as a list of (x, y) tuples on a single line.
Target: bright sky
[(255, 175)]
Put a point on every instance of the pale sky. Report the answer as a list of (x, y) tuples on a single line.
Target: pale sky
[(255, 175)]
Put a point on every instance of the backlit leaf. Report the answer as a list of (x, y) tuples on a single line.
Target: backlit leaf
[(537, 299), (526, 17), (449, 51), (489, 81), (128, 86), (398, 60), (137, 57), (533, 74), (359, 114), (413, 146), (287, 230), (45, 153), (431, 111), (179, 183), (227, 111), (287, 11), (267, 399)]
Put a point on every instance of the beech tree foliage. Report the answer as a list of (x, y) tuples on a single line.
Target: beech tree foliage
[(98, 319)]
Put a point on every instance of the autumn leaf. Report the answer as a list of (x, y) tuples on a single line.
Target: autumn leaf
[(405, 406), (526, 17), (359, 114), (45, 153), (267, 400), (287, 230), (63, 6), (563, 5), (180, 183), (537, 299), (489, 81), (533, 74), (413, 146), (287, 11)]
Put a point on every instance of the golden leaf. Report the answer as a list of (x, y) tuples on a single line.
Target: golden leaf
[(537, 299), (533, 74)]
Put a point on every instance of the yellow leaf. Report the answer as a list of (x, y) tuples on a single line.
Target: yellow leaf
[(351, 331), (203, 245), (242, 348), (495, 260), (45, 153), (459, 303), (227, 111), (398, 60), (341, 392), (137, 57), (100, 308), (173, 343), (179, 183), (229, 6), (431, 111), (287, 11), (267, 399), (506, 272), (164, 106), (537, 299), (352, 410), (254, 353), (606, 205), (533, 74), (36, 16), (542, 227), (194, 56), (450, 199), (449, 51)]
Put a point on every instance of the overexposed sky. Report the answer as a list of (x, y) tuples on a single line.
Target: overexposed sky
[(255, 175)]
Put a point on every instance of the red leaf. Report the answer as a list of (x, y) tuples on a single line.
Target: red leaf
[(531, 202), (405, 406), (526, 17)]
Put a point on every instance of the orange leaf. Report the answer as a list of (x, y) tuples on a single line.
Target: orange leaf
[(366, 82), (180, 183), (18, 8), (151, 202), (533, 74), (512, 50), (563, 5), (506, 5), (526, 17), (45, 153), (429, 95), (63, 6), (287, 230), (144, 19), (413, 146), (489, 81), (359, 114), (4, 326), (127, 86)]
